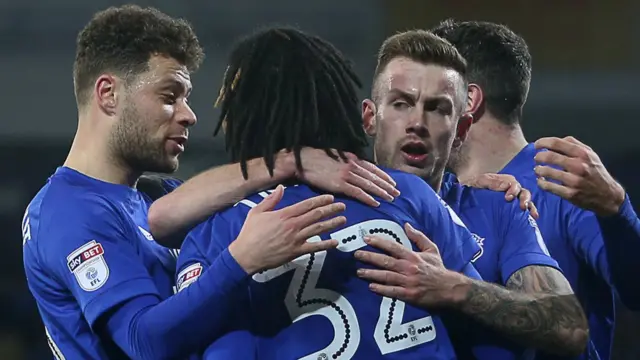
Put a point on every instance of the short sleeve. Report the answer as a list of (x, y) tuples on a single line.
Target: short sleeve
[(522, 242), (444, 227), (85, 244)]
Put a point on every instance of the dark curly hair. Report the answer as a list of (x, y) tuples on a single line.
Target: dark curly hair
[(122, 39), (285, 89)]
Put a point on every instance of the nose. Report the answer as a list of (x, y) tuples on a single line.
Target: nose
[(185, 115), (416, 125)]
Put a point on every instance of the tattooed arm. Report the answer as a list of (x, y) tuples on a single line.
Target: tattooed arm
[(537, 309)]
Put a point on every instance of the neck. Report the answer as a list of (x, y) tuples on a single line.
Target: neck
[(489, 147), (91, 156), (435, 183)]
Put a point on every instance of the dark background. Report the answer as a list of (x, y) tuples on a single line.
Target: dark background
[(584, 84)]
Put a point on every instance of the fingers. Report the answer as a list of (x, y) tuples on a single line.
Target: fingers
[(390, 247), (359, 194), (394, 292), (381, 276), (319, 213), (566, 178), (493, 182), (561, 146), (373, 173), (513, 191), (355, 177), (321, 227), (533, 210), (270, 202), (527, 204), (421, 240), (553, 158), (382, 261), (560, 190), (525, 199), (573, 140), (317, 246), (305, 206)]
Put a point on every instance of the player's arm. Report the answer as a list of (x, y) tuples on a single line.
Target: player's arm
[(267, 239), (425, 279), (421, 279), (621, 238), (560, 327), (98, 262), (613, 258), (222, 186), (609, 238), (538, 307)]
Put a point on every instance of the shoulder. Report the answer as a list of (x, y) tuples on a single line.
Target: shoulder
[(494, 204), (63, 219), (407, 183), (156, 186), (59, 204)]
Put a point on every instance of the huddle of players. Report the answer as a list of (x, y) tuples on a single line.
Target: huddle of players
[(250, 276)]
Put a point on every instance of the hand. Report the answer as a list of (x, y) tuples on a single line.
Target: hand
[(582, 178), (418, 278), (355, 178), (269, 239), (508, 184)]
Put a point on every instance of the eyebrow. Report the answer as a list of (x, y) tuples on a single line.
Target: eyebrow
[(429, 99), (402, 94), (174, 85)]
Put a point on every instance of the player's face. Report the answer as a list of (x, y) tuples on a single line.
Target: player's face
[(415, 116), (153, 126)]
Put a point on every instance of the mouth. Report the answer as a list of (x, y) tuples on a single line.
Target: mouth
[(178, 142), (415, 153)]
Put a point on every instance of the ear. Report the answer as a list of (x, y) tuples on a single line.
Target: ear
[(105, 92), (464, 124), (369, 117), (475, 104)]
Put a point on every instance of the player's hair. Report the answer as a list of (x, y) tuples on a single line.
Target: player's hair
[(285, 89), (121, 40), (420, 46), (498, 61)]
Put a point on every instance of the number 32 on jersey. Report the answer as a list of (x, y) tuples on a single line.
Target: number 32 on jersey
[(304, 299)]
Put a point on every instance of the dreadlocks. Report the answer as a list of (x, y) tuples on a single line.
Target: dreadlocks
[(284, 89)]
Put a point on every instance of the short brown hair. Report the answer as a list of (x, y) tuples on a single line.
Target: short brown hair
[(499, 62), (122, 39), (421, 46)]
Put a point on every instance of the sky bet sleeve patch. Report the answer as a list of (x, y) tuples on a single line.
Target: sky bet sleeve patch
[(88, 265), (188, 276)]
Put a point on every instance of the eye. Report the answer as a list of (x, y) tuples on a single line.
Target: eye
[(169, 99), (400, 105), (444, 109)]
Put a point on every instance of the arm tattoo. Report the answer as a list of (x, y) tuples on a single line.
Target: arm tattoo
[(537, 310)]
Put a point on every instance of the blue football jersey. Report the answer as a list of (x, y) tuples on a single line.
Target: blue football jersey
[(316, 307), (86, 250), (574, 239), (510, 240)]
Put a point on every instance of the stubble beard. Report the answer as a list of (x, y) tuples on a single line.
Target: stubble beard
[(133, 146)]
